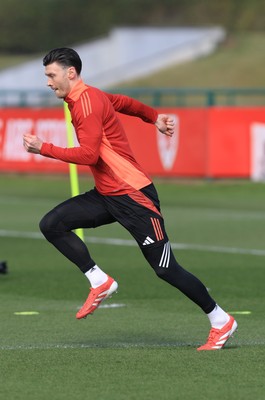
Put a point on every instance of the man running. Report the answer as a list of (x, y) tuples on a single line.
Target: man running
[(123, 192)]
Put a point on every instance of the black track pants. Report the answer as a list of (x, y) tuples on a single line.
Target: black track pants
[(140, 214)]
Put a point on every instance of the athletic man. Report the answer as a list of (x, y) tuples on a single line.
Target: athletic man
[(123, 191)]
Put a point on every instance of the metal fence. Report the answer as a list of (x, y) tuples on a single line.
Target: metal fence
[(193, 97), (156, 97)]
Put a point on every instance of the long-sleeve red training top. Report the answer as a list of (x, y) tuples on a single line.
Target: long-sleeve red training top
[(103, 144)]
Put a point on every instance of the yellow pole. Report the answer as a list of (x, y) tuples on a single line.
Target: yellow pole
[(72, 167)]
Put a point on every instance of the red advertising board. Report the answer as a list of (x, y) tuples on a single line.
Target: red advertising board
[(230, 140), (208, 142), (182, 155), (49, 124)]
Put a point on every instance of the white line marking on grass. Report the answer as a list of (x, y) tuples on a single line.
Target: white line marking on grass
[(240, 312), (119, 345), (132, 243), (19, 234), (26, 313), (113, 305)]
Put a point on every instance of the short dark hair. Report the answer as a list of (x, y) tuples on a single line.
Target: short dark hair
[(64, 56)]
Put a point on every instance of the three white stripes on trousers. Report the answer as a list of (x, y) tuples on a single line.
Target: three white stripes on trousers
[(164, 261)]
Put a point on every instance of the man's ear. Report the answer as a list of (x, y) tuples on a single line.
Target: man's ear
[(72, 73)]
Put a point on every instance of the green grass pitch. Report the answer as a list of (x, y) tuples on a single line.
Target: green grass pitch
[(144, 348)]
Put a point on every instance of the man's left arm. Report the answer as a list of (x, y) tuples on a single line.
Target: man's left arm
[(87, 153)]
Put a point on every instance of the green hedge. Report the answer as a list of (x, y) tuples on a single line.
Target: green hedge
[(30, 26)]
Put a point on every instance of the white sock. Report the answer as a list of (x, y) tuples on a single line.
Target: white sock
[(96, 276), (218, 317)]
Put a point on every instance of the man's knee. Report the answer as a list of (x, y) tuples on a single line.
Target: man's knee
[(49, 223), (161, 259)]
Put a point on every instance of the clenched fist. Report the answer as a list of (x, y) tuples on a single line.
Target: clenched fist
[(32, 143)]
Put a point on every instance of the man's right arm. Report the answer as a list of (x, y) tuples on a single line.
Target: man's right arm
[(127, 105), (130, 106)]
